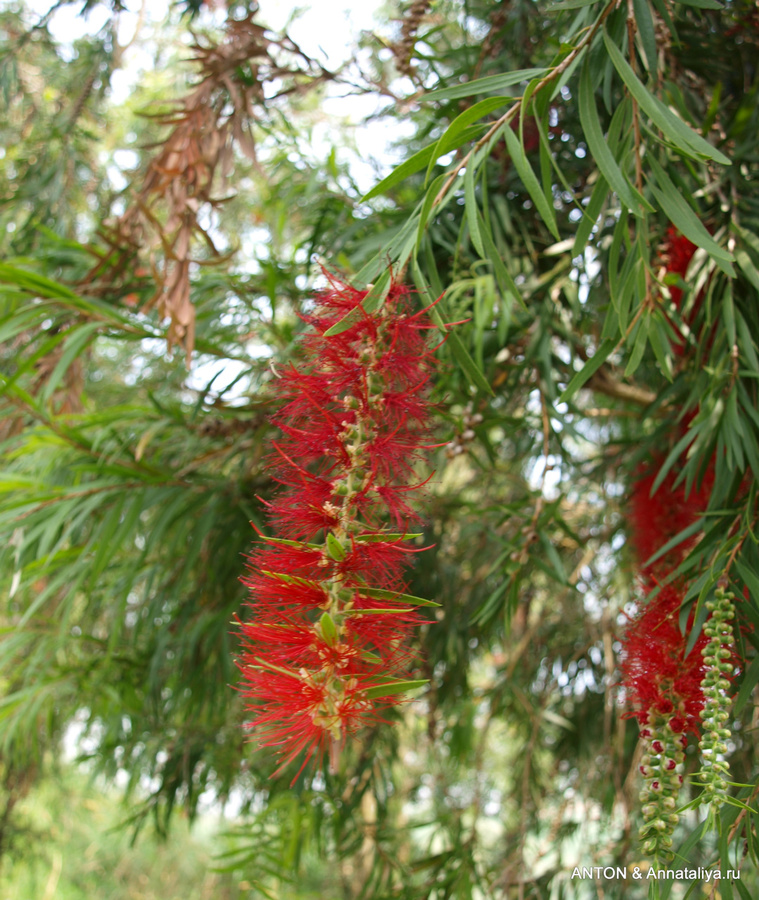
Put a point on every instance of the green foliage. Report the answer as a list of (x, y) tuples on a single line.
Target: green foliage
[(70, 845), (554, 146)]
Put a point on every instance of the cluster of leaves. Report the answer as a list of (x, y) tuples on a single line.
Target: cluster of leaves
[(555, 144)]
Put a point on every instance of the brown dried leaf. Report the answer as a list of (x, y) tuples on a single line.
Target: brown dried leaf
[(198, 151)]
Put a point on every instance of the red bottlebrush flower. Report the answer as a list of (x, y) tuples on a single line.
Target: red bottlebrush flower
[(325, 646), (656, 519), (658, 677), (678, 252)]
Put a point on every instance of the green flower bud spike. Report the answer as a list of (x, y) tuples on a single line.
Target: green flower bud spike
[(661, 768), (717, 655)]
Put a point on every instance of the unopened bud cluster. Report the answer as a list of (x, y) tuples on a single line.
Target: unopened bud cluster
[(717, 656), (661, 768)]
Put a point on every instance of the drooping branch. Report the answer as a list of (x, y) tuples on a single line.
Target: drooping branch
[(238, 78)]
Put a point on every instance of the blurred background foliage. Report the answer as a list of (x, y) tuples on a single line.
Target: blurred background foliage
[(167, 200), (69, 843)]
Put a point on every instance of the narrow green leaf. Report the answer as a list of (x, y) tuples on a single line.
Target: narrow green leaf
[(394, 611), (673, 456), (36, 284), (746, 265), (371, 537), (420, 160), (413, 164), (626, 291), (118, 530), (451, 137), (725, 885), (728, 314), (265, 664), (485, 85), (377, 293), (589, 369), (531, 106), (640, 342), (63, 583), (703, 4), (393, 687), (559, 572), (590, 214), (659, 336), (40, 286), (505, 282), (21, 320), (598, 145), (678, 539), (750, 238), (527, 107), (711, 113), (671, 125), (405, 237), (17, 482), (645, 24), (739, 885), (395, 597), (547, 163), (750, 579), (458, 349), (469, 366), (685, 220), (530, 181), (471, 209), (570, 4), (427, 204), (432, 272), (548, 160), (402, 256), (491, 606), (79, 337), (371, 270), (287, 543), (746, 343)]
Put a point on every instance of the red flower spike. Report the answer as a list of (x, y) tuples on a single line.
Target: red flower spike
[(327, 624), (657, 519), (657, 674), (678, 252), (675, 255)]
